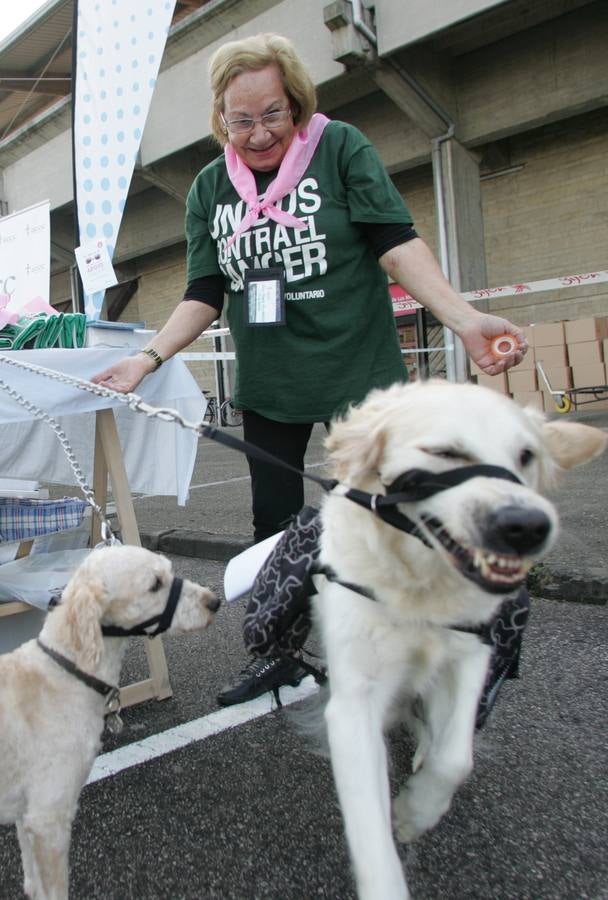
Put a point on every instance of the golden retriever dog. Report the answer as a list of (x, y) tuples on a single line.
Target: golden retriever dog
[(406, 616), (56, 690)]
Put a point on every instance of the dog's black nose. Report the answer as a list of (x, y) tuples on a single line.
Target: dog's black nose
[(214, 604), (515, 529)]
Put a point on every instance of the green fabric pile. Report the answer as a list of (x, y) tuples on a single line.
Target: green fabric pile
[(65, 330)]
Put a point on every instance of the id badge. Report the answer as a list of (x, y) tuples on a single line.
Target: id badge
[(264, 295)]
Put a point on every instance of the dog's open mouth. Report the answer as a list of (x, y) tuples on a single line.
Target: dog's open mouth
[(497, 573)]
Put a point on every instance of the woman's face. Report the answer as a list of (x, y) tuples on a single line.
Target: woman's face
[(252, 95)]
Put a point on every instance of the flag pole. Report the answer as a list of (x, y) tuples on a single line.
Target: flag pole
[(75, 280)]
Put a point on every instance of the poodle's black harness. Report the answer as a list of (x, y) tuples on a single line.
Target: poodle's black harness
[(162, 621), (111, 692)]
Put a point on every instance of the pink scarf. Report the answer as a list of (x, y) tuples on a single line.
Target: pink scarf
[(295, 162)]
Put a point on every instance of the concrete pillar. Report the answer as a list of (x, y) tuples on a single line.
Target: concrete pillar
[(461, 238)]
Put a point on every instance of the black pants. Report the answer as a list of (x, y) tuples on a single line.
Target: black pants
[(276, 493)]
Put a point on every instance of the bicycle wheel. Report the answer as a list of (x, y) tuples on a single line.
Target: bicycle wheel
[(230, 415), (210, 412)]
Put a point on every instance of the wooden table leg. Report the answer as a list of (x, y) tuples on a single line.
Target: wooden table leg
[(24, 549), (109, 460)]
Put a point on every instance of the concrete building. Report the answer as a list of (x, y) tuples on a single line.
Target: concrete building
[(492, 118)]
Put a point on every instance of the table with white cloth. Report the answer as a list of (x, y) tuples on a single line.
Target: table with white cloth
[(138, 453)]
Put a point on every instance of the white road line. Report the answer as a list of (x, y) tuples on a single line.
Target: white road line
[(195, 487), (207, 484), (109, 764)]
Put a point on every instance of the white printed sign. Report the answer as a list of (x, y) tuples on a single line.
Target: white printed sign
[(95, 267), (25, 263)]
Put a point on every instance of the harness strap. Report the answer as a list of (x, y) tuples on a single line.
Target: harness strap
[(483, 631), (349, 585), (389, 514), (418, 484)]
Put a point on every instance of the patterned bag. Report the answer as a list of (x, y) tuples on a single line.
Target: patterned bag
[(278, 615), (505, 634)]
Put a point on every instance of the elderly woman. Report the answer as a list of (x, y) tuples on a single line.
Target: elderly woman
[(298, 224)]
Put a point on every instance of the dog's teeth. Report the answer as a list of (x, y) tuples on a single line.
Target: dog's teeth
[(500, 569), (480, 562)]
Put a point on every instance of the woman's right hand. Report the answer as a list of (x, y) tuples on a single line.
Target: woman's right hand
[(125, 375)]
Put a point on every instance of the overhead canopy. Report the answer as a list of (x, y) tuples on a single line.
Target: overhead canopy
[(36, 62)]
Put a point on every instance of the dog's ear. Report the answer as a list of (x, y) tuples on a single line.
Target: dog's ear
[(356, 446), (572, 444), (83, 601)]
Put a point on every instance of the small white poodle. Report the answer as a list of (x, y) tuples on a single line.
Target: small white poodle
[(56, 690)]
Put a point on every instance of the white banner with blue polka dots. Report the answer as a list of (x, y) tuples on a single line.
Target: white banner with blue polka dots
[(119, 48)]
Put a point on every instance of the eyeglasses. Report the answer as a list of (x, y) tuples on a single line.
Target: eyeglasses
[(269, 120)]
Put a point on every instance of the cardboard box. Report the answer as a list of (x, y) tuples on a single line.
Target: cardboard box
[(586, 353), (588, 375), (552, 357), (521, 381), (549, 334), (530, 398), (592, 329)]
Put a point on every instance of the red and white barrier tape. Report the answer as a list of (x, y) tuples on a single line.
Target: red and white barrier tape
[(405, 301), (536, 287)]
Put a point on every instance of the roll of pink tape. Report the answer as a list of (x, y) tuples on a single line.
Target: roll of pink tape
[(503, 345)]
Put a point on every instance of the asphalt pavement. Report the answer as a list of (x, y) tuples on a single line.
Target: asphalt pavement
[(247, 811)]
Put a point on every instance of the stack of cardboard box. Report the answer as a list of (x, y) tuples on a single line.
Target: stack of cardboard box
[(572, 355)]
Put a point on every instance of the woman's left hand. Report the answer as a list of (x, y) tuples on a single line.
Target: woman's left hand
[(477, 335), (413, 266)]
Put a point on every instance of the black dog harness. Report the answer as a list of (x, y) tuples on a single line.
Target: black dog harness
[(162, 621), (409, 487), (418, 484)]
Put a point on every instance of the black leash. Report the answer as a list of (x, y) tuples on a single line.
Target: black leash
[(409, 487), (241, 446)]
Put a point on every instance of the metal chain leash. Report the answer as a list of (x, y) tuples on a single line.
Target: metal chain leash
[(132, 400), (107, 534)]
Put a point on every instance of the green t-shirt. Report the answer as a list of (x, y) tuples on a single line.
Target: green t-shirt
[(339, 339)]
